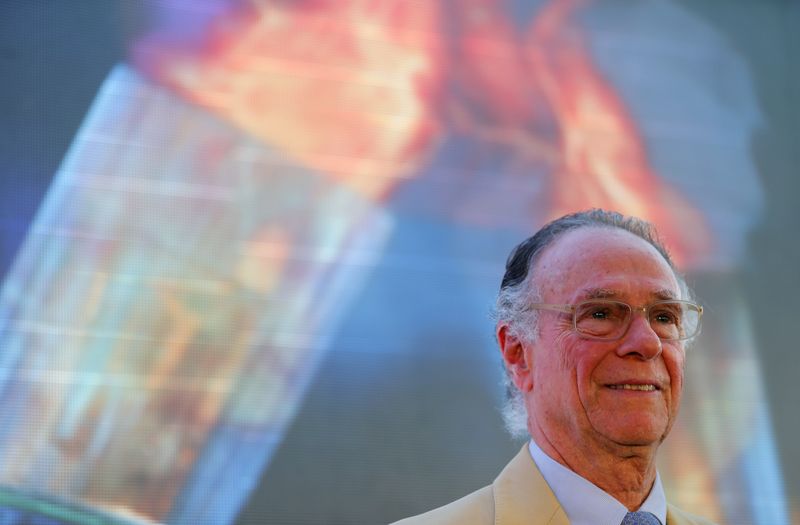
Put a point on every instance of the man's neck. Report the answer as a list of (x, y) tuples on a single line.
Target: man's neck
[(625, 472)]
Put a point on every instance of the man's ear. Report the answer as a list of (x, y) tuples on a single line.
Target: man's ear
[(515, 358)]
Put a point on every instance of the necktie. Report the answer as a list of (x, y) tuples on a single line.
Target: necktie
[(640, 518)]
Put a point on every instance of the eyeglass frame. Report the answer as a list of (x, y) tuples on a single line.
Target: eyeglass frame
[(573, 308)]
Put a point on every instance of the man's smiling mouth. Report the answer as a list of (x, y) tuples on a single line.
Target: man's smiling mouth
[(643, 388)]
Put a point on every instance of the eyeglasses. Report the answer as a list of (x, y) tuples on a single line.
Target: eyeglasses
[(671, 320)]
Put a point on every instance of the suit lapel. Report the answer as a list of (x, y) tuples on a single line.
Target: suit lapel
[(522, 496)]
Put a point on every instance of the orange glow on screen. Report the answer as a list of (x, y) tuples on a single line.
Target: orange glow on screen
[(604, 159), (344, 87)]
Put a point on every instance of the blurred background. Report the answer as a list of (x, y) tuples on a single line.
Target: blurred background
[(248, 248)]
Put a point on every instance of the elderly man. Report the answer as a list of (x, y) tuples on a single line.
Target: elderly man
[(592, 323)]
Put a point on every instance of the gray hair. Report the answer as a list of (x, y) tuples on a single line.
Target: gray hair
[(518, 289)]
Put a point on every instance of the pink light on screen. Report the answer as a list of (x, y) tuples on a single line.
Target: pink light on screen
[(345, 87)]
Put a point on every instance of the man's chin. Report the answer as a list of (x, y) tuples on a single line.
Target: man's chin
[(635, 436)]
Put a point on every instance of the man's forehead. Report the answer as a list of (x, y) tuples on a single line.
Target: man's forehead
[(595, 263)]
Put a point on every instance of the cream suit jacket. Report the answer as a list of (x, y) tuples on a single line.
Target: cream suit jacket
[(519, 496)]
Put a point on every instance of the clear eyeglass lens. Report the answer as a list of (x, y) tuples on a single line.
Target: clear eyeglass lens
[(602, 319), (670, 320)]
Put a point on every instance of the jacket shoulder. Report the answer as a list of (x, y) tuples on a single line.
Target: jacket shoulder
[(676, 516), (476, 508)]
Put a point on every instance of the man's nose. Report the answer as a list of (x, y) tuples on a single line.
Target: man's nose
[(640, 339)]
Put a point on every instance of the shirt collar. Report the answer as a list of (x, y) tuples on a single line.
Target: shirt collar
[(584, 502)]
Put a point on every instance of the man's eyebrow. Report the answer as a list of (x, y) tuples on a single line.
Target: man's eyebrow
[(665, 293), (606, 293), (599, 293)]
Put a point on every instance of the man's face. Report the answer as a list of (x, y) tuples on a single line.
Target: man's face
[(577, 384)]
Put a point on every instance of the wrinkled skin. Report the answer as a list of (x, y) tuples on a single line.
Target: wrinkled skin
[(577, 413)]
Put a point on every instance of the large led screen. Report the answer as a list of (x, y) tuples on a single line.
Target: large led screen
[(253, 285)]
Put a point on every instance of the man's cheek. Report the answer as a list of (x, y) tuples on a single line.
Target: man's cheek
[(565, 352)]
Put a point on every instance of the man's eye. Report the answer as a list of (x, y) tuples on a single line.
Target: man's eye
[(603, 313), (665, 317)]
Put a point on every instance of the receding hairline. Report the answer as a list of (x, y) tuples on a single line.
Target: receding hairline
[(536, 258)]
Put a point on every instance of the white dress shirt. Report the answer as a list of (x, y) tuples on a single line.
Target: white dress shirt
[(584, 502)]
